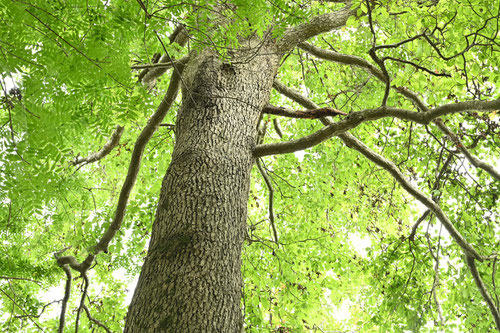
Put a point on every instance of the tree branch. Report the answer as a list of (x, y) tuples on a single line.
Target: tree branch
[(315, 26), (471, 254), (360, 62), (153, 65), (389, 166), (436, 112), (358, 117), (484, 292), (133, 170), (105, 150), (436, 283), (472, 159), (179, 36), (271, 199), (343, 59), (135, 161), (95, 321), (417, 224), (19, 278), (67, 293), (352, 142), (294, 95), (309, 114)]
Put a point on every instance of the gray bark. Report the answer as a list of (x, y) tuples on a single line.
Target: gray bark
[(191, 279)]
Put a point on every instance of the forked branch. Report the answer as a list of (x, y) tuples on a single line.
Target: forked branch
[(410, 95), (356, 118)]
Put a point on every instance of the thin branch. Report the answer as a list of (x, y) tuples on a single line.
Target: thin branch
[(436, 283), (315, 26), (417, 224), (105, 150), (19, 278), (417, 66), (41, 311), (484, 292), (151, 66), (82, 301), (271, 199), (277, 127), (148, 15), (493, 272), (398, 44), (373, 54), (308, 114), (294, 95), (95, 321)]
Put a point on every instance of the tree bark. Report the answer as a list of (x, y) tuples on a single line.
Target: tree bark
[(191, 279)]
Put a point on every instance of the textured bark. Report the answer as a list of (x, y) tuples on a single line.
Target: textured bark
[(191, 278)]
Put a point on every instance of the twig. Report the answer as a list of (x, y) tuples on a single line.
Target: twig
[(422, 68), (41, 312), (493, 272), (435, 285), (150, 66)]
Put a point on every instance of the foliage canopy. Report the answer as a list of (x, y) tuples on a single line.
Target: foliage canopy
[(69, 70)]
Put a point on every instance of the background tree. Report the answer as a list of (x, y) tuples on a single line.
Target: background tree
[(408, 164)]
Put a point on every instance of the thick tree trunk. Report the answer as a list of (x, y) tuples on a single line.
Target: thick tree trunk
[(191, 279)]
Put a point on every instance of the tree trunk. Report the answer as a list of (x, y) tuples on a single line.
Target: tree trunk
[(191, 279)]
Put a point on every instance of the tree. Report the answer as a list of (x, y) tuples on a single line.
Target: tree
[(394, 104)]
